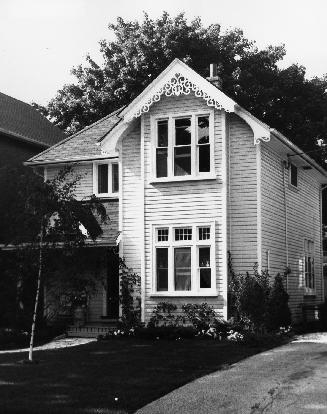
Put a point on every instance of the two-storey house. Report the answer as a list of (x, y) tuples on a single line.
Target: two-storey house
[(188, 176)]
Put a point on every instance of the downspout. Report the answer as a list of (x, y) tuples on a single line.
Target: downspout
[(322, 188), (142, 220), (285, 166), (228, 191)]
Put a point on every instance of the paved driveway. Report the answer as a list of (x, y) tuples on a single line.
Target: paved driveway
[(288, 379)]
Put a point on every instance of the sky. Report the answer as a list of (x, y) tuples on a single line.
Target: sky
[(42, 40)]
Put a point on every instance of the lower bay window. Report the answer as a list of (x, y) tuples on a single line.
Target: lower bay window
[(184, 259)]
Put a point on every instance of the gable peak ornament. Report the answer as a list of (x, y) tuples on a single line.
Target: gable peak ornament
[(178, 85)]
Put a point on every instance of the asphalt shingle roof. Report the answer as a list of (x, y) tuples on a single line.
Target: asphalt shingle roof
[(21, 121), (83, 144)]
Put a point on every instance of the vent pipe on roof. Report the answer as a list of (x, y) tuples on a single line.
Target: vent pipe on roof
[(214, 78)]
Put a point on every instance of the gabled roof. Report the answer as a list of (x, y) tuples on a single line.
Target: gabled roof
[(81, 146), (100, 139), (21, 121)]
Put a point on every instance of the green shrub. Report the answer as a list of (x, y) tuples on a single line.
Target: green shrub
[(164, 314), (129, 296), (202, 316), (166, 332), (278, 313), (249, 296), (258, 305)]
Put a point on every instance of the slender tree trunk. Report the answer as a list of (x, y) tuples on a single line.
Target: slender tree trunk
[(37, 296)]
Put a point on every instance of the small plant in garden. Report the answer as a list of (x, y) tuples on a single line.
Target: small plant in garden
[(234, 336), (284, 330), (202, 315), (278, 313), (164, 314), (130, 287)]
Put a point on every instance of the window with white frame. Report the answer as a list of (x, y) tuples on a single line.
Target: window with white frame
[(309, 276), (183, 145), (106, 179), (184, 259), (293, 175)]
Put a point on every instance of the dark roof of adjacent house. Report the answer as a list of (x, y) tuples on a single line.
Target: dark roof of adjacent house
[(21, 121), (82, 145)]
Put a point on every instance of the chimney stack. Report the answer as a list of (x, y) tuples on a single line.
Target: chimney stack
[(214, 78)]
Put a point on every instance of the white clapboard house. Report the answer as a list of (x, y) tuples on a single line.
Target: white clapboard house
[(188, 176)]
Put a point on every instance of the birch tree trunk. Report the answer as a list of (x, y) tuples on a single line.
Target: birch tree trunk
[(37, 296)]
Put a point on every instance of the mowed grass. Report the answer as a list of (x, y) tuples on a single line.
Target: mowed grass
[(116, 376)]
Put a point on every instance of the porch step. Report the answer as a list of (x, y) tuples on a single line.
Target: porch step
[(89, 331)]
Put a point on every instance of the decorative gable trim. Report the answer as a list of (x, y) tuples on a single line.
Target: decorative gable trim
[(179, 85), (261, 131), (177, 79)]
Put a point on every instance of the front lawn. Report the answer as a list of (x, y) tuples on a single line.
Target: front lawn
[(115, 376)]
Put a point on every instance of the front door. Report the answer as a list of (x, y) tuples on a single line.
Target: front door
[(113, 286)]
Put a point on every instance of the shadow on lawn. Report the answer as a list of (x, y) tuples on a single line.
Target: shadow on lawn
[(116, 376)]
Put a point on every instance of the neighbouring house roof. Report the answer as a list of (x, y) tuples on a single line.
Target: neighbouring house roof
[(81, 146), (21, 121)]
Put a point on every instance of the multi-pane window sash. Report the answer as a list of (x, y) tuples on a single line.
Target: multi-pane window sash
[(184, 258), (183, 145)]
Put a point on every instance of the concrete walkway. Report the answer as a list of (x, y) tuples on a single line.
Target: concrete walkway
[(55, 344), (288, 379)]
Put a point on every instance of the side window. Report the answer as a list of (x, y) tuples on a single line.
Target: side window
[(309, 277), (106, 179), (103, 174), (293, 176), (114, 178)]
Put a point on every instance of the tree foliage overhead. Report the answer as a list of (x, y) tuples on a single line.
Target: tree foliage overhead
[(29, 203), (283, 98)]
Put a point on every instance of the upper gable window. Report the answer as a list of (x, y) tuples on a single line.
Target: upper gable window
[(106, 179), (293, 176), (183, 145)]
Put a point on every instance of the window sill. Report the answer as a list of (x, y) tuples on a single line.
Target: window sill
[(309, 293), (202, 177), (107, 196), (184, 294)]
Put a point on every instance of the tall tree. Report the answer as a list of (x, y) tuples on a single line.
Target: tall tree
[(141, 50), (46, 216)]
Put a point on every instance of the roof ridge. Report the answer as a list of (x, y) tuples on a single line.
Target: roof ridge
[(77, 133), (18, 100)]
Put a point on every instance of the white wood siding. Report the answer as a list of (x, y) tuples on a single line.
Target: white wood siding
[(172, 202), (242, 193), (132, 201), (303, 222)]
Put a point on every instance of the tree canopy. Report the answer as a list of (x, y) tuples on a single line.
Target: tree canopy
[(29, 203), (283, 98)]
